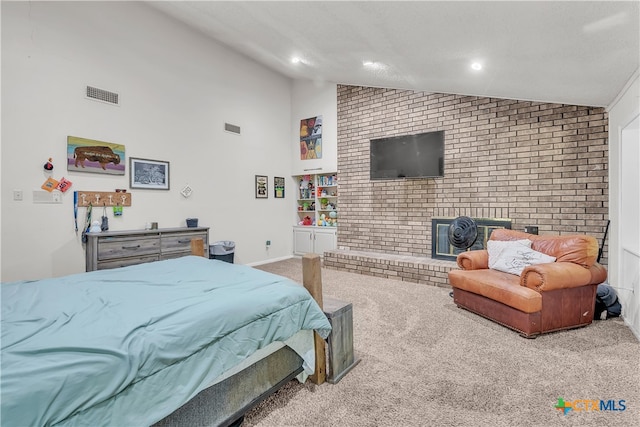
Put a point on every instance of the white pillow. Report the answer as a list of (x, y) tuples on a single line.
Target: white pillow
[(496, 247), (513, 259)]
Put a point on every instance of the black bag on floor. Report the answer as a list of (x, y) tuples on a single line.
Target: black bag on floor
[(606, 300)]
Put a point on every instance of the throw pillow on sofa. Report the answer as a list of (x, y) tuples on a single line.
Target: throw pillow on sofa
[(516, 257), (496, 247)]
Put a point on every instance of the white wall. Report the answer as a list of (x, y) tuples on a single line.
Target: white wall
[(624, 266), (177, 88), (311, 99)]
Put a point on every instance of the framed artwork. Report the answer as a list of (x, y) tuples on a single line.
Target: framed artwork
[(89, 155), (148, 174), (278, 187), (261, 187), (311, 138)]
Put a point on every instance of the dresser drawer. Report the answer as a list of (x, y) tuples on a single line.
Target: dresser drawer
[(125, 247), (123, 262), (181, 242)]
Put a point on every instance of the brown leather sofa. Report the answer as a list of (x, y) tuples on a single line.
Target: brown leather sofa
[(545, 297)]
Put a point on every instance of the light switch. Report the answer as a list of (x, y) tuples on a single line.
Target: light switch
[(17, 195)]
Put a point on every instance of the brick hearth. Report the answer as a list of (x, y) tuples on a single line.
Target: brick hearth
[(400, 267)]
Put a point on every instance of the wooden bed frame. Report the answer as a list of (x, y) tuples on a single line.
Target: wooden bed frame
[(224, 404)]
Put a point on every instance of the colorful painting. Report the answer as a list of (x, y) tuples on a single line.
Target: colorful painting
[(88, 155), (311, 138)]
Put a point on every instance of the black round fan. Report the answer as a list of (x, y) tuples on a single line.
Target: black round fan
[(463, 232)]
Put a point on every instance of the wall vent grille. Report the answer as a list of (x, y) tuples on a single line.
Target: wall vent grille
[(102, 95), (232, 128)]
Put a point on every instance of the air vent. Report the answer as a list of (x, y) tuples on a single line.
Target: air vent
[(232, 128), (102, 95)]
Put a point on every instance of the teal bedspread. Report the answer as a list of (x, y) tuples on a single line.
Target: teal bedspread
[(129, 346)]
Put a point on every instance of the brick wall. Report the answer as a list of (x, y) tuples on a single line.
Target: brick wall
[(535, 163)]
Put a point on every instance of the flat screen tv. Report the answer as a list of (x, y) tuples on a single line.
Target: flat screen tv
[(408, 156)]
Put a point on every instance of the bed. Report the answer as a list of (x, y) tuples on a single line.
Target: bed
[(130, 346)]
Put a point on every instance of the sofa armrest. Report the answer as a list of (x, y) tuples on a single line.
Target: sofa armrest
[(555, 275), (598, 274), (473, 260)]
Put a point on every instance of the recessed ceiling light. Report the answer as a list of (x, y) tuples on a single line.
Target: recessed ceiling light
[(374, 65), (300, 60), (476, 66)]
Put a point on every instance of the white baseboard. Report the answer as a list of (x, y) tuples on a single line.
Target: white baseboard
[(268, 261), (631, 328)]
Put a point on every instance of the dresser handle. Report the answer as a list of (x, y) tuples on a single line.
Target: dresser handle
[(131, 247), (184, 241)]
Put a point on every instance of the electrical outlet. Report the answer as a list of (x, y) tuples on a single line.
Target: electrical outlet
[(268, 242), (17, 195)]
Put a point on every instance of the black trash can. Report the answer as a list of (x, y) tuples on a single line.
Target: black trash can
[(222, 250)]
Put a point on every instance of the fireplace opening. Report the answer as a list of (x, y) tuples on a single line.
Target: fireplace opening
[(442, 249)]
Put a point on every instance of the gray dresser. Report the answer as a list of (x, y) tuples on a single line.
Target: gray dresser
[(111, 249)]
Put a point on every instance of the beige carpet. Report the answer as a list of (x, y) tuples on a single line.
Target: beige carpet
[(426, 362)]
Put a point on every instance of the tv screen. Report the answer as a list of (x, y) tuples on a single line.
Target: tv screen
[(409, 156)]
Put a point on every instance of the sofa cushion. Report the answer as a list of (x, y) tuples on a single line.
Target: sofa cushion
[(516, 257), (499, 286), (577, 248)]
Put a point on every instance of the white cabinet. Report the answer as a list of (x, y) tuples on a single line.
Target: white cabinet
[(316, 219), (309, 239), (324, 240), (302, 240)]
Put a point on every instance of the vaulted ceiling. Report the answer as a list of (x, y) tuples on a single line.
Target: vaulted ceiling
[(572, 52)]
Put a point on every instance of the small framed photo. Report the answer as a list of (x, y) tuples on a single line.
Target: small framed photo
[(148, 174), (278, 187), (261, 187)]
